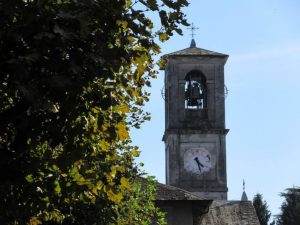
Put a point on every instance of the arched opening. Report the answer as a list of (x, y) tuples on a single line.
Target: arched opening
[(195, 90)]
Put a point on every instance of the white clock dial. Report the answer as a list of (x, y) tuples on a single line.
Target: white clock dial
[(197, 161)]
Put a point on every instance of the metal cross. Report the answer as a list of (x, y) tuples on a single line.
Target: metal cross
[(193, 28)]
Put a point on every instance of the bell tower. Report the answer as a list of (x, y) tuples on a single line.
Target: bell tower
[(195, 130)]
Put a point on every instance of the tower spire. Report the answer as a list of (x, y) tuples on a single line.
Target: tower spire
[(244, 195), (193, 28)]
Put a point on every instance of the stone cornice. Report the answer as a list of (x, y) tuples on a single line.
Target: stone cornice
[(194, 131)]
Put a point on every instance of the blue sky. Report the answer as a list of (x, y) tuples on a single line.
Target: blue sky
[(262, 107)]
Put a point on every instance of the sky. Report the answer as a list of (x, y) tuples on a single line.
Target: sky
[(262, 74)]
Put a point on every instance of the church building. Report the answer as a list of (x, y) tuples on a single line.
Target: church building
[(195, 192)]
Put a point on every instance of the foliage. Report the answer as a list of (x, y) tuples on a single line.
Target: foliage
[(72, 78), (261, 208), (290, 208)]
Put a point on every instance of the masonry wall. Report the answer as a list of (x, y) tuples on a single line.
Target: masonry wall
[(230, 213)]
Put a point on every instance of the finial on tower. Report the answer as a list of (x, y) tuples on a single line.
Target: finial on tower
[(193, 28), (244, 195)]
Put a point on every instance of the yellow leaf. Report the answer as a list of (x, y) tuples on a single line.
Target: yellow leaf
[(98, 187), (122, 131), (130, 39), (125, 24), (104, 145), (128, 4), (80, 180), (113, 171), (109, 178), (141, 69), (139, 48), (125, 183), (124, 108), (121, 169), (115, 197), (95, 191), (163, 36), (95, 125), (135, 153), (121, 108), (34, 221), (122, 23), (135, 93), (162, 63), (78, 163), (141, 59)]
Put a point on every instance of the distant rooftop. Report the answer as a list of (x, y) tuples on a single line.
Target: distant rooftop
[(167, 192), (244, 196)]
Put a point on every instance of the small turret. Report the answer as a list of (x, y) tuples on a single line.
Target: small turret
[(244, 195)]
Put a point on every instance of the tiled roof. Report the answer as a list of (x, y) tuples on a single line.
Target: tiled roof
[(167, 192), (194, 51)]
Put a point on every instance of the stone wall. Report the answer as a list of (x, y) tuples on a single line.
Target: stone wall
[(230, 213)]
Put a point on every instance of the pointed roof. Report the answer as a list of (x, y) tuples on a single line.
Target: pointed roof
[(194, 51), (193, 43), (244, 195)]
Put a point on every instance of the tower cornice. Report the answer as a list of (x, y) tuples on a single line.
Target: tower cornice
[(180, 131)]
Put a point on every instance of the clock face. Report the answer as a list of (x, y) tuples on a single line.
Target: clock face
[(197, 161)]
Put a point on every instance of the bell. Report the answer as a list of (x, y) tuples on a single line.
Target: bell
[(195, 91)]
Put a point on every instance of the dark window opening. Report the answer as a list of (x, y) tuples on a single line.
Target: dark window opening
[(195, 90)]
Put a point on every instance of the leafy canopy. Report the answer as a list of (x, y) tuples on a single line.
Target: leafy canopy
[(72, 78)]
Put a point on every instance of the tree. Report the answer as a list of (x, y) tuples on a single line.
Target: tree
[(72, 78), (261, 208), (290, 208)]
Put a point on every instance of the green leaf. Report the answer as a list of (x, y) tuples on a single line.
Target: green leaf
[(57, 187), (29, 178), (136, 153)]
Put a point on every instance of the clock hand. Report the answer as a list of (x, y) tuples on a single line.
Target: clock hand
[(198, 163), (208, 157)]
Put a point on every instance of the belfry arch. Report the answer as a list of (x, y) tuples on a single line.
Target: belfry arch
[(195, 89)]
